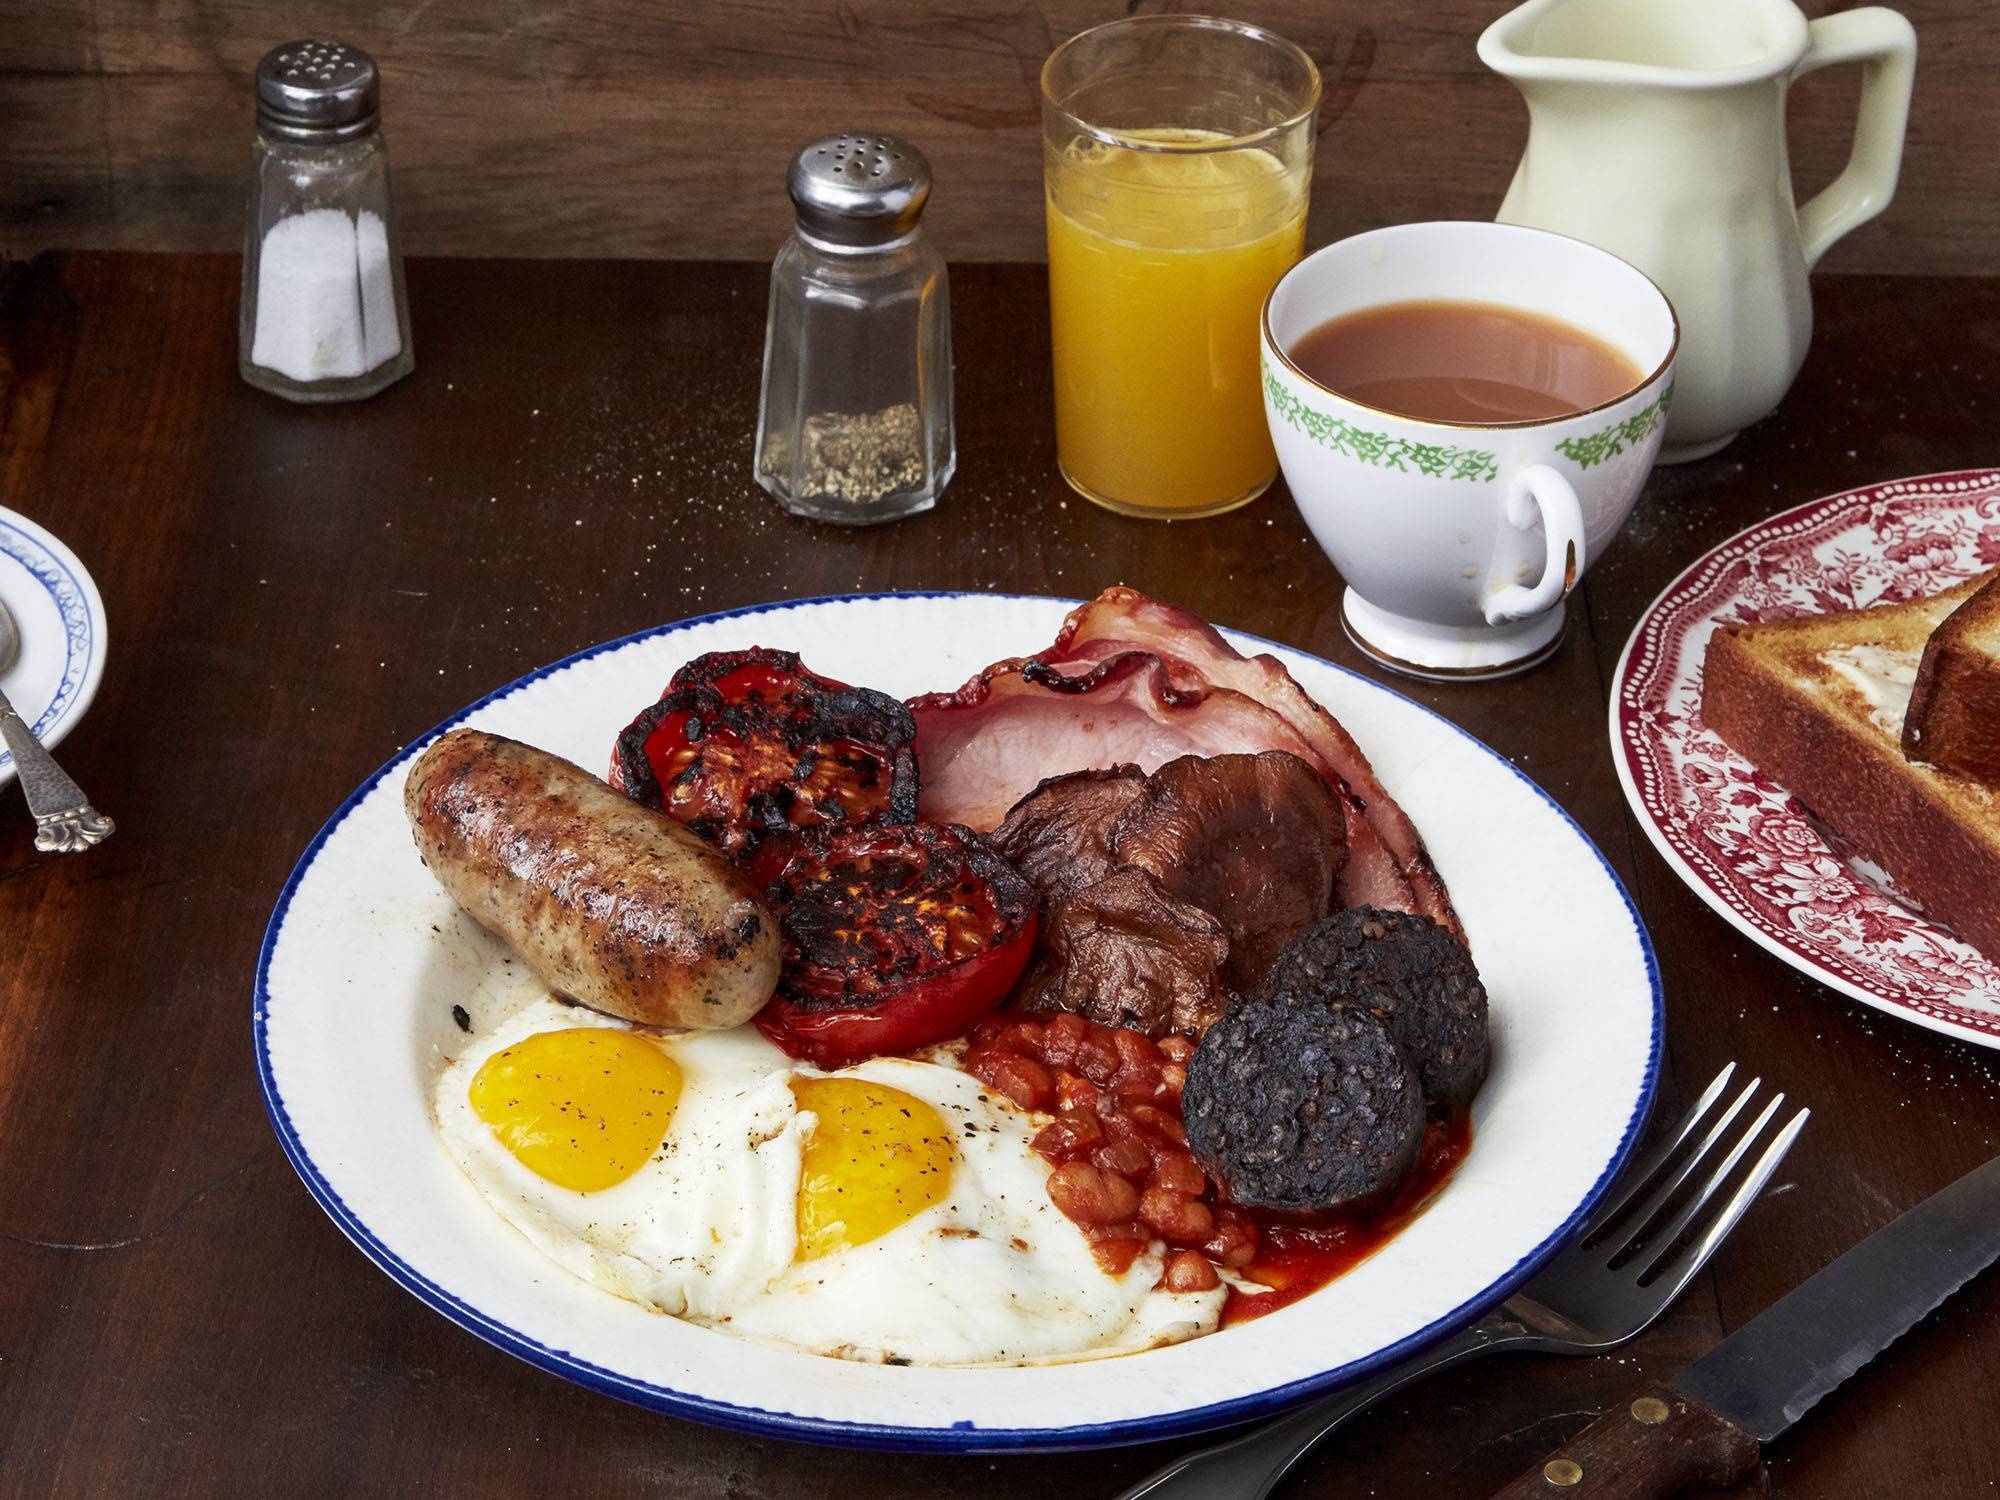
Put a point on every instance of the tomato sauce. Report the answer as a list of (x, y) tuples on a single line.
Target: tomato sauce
[(1124, 1174), (1296, 1260)]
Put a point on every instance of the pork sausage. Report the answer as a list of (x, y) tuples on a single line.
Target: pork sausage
[(608, 902)]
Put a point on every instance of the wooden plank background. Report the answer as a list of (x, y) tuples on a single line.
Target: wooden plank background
[(615, 128)]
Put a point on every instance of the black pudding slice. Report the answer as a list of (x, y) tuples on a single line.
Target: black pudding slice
[(1303, 1109), (1416, 975)]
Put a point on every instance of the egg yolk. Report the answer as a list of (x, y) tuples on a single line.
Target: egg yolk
[(877, 1158), (583, 1108)]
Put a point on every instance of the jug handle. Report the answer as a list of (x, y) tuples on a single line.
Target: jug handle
[(1887, 45)]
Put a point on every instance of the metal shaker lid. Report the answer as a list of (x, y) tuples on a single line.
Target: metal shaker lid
[(859, 189), (317, 92)]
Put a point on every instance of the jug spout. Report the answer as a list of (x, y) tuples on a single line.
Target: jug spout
[(1690, 44)]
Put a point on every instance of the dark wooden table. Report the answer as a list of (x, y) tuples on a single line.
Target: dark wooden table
[(294, 593)]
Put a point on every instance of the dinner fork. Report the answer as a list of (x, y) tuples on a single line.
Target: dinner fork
[(64, 819), (1604, 1288)]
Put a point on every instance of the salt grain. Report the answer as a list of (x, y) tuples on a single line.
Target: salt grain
[(326, 299), (382, 335)]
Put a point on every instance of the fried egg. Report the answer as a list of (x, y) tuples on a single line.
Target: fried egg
[(893, 1210)]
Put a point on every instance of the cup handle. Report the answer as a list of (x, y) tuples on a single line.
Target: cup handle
[(1886, 43), (1540, 490)]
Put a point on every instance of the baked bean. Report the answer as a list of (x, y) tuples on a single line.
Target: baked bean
[(1092, 1196), (1116, 1246), (1061, 1036), (1082, 1122), (1159, 1122), (990, 1030), (1180, 1172), (1177, 1048), (1097, 1059), (1027, 1038), (1027, 1083), (1135, 1052), (1074, 1091), (1122, 1170), (1068, 1135), (1234, 1243), (1117, 1124), (1189, 1271), (1140, 1090), (1177, 1218), (1128, 1158), (1021, 1079)]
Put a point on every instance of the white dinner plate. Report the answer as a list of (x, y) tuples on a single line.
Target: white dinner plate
[(1736, 836), (60, 618), (365, 957)]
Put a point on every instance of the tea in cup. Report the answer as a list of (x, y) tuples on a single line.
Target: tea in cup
[(1465, 413)]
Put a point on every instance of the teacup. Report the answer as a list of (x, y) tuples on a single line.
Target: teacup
[(1460, 542)]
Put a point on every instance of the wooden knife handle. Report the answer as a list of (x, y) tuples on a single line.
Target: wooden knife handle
[(1656, 1446)]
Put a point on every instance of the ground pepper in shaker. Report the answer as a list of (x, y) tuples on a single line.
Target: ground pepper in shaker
[(323, 314), (855, 421)]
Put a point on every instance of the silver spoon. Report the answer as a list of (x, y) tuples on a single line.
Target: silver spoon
[(64, 819)]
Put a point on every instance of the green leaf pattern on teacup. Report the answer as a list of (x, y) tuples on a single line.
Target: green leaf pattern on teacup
[(1609, 442), (1380, 449)]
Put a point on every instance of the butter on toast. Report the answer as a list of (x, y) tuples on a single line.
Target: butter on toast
[(1954, 717), (1818, 703)]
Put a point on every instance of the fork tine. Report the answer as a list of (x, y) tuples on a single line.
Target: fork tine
[(1641, 1175), (1675, 1271), (1660, 1251), (1657, 1198)]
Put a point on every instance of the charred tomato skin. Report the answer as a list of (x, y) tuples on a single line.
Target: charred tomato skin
[(895, 937), (746, 746)]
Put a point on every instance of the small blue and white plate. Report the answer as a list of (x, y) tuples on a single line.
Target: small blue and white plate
[(365, 957), (57, 610)]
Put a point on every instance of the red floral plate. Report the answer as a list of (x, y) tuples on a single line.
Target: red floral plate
[(1733, 834)]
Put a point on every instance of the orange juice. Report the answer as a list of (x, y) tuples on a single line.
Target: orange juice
[(1159, 263)]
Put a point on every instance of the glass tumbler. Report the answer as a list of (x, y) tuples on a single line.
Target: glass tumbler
[(1177, 154)]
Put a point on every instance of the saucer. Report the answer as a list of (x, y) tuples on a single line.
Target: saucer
[(1440, 653), (60, 617)]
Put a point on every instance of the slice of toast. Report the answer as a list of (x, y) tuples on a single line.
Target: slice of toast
[(1818, 705), (1954, 717)]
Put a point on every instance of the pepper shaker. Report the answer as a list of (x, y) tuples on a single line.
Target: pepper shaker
[(323, 315), (855, 421)]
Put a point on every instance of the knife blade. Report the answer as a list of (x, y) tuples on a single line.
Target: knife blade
[(1706, 1426), (1772, 1370)]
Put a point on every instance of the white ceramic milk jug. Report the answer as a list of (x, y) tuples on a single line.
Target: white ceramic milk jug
[(1657, 131)]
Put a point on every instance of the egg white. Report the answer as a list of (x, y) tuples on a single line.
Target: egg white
[(707, 1228)]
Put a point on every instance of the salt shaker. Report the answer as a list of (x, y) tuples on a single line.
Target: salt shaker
[(855, 421), (323, 315)]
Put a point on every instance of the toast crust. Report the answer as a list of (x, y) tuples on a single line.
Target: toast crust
[(1954, 717), (1770, 692)]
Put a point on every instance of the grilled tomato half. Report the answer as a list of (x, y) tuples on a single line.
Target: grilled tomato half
[(749, 746), (894, 938)]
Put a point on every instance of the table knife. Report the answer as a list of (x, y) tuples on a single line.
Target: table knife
[(1705, 1428)]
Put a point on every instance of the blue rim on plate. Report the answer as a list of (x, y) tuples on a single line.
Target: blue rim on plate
[(75, 597), (962, 1436)]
